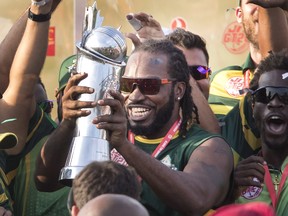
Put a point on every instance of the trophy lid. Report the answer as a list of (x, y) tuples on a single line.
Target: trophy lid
[(106, 42)]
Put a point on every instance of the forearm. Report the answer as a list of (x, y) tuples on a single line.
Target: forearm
[(189, 189), (8, 48), (24, 73), (273, 30), (53, 156), (31, 53)]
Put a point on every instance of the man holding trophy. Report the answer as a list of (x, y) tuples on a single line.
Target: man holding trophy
[(149, 124)]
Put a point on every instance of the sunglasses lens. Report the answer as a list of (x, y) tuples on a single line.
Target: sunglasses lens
[(199, 72), (265, 95), (126, 85), (260, 96), (146, 86)]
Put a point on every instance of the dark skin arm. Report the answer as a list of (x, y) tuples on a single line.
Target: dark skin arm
[(18, 99), (54, 152), (195, 191), (273, 26), (10, 43)]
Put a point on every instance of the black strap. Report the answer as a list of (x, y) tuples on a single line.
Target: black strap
[(39, 17)]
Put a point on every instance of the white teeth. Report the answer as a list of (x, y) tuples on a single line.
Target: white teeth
[(275, 117), (139, 111)]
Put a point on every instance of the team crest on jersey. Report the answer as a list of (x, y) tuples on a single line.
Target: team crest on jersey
[(117, 157), (233, 85), (167, 161), (252, 192)]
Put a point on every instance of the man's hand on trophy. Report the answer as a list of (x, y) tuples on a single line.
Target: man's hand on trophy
[(146, 27), (116, 122), (71, 107)]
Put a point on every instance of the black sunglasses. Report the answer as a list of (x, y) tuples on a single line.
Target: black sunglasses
[(199, 72), (146, 86), (46, 105), (266, 94)]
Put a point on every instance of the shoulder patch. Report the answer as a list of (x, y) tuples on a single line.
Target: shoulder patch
[(234, 85)]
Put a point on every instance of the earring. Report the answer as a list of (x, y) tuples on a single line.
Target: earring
[(179, 98)]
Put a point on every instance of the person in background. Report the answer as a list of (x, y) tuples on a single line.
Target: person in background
[(263, 177), (239, 128), (99, 178), (19, 74), (19, 168), (113, 205)]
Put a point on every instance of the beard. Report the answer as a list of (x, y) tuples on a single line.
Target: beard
[(162, 117), (250, 32)]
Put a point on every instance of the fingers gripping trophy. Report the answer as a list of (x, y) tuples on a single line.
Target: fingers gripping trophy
[(101, 54)]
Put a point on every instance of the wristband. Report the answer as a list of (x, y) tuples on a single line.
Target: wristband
[(40, 3), (39, 17)]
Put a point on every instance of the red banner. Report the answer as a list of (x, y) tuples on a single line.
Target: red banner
[(51, 42)]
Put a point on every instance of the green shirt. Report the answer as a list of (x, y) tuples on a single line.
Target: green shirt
[(239, 130), (225, 85), (5, 199), (20, 172), (176, 156), (254, 194)]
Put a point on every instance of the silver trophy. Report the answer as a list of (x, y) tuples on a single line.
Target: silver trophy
[(101, 54)]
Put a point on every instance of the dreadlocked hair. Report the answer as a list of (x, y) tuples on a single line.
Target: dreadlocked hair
[(178, 70)]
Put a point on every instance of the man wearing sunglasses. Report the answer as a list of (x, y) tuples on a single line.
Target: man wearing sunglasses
[(194, 48), (155, 93), (264, 177), (155, 86), (238, 127)]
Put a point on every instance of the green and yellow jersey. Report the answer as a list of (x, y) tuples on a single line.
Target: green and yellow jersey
[(175, 156), (226, 86)]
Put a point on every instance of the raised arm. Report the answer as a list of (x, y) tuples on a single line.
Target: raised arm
[(54, 152), (273, 26), (146, 28), (9, 45), (18, 99)]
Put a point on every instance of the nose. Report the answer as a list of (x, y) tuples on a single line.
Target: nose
[(275, 102), (136, 94)]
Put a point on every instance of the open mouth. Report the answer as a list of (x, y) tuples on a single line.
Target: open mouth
[(276, 124)]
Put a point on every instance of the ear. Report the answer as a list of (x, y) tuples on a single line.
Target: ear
[(179, 89), (74, 210), (239, 14)]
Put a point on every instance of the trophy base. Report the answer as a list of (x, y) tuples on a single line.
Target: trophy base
[(83, 151)]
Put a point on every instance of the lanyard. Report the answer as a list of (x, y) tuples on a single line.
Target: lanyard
[(165, 141), (270, 186)]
